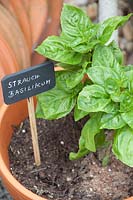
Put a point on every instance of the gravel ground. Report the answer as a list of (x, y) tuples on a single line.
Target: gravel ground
[(4, 195)]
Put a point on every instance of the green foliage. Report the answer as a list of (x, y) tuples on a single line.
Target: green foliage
[(93, 98), (59, 101), (123, 145), (105, 96), (56, 48), (79, 114), (105, 161), (107, 27), (112, 121), (99, 60)]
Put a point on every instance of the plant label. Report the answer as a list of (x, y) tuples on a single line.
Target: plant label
[(28, 82)]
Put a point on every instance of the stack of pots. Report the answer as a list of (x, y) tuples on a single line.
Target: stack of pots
[(24, 24)]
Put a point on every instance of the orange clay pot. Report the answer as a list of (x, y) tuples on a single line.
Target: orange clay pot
[(7, 5), (13, 115), (26, 4), (8, 63), (23, 20), (1, 75), (12, 33), (10, 116), (37, 13), (7, 57)]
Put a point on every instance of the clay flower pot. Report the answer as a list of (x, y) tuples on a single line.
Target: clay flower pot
[(8, 62), (11, 32), (17, 43), (27, 33), (13, 115), (21, 15)]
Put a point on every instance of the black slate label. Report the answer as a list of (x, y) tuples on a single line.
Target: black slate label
[(28, 82)]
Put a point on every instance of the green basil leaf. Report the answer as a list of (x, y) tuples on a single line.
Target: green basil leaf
[(129, 75), (88, 134), (99, 74), (59, 101), (81, 152), (105, 160), (99, 142), (90, 129), (75, 24), (116, 52), (128, 118), (55, 48), (107, 27), (78, 30), (123, 145), (100, 139), (93, 98), (128, 72), (39, 111), (79, 114), (67, 80), (122, 79), (70, 67), (116, 96), (111, 85), (112, 121), (102, 56), (85, 47), (128, 68), (74, 78), (126, 101), (112, 107), (55, 103)]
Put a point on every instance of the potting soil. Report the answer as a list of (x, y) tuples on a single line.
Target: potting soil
[(59, 178)]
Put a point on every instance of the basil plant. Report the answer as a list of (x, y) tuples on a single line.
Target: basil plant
[(106, 95)]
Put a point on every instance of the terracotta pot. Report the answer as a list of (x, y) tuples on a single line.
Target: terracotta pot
[(7, 57), (21, 15), (131, 198), (12, 33), (8, 62), (13, 115), (7, 5), (26, 4), (25, 16), (37, 12)]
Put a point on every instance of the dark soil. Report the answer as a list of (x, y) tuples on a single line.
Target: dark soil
[(58, 178)]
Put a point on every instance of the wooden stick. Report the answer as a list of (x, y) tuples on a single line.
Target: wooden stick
[(34, 134)]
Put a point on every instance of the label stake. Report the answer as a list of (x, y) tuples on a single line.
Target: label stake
[(31, 110), (24, 85)]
